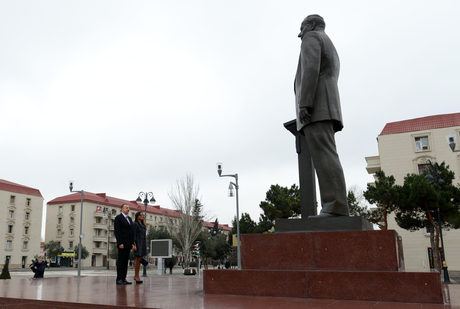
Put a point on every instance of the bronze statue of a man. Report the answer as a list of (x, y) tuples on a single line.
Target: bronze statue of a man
[(319, 114)]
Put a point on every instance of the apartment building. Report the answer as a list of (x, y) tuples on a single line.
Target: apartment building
[(405, 147), (21, 220)]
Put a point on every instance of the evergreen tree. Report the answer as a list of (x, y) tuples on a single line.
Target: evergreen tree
[(215, 228), (419, 202), (84, 252), (247, 225), (5, 272), (384, 194), (280, 202), (53, 249), (356, 209)]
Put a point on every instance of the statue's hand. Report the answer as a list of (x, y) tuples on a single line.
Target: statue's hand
[(304, 115)]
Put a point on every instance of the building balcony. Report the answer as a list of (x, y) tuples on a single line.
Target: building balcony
[(373, 164), (100, 226), (99, 214), (99, 250), (100, 238)]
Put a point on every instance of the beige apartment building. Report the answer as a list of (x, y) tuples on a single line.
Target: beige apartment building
[(21, 219), (404, 147), (99, 210)]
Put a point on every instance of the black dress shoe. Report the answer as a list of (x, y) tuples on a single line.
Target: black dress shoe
[(127, 282), (138, 281), (121, 282)]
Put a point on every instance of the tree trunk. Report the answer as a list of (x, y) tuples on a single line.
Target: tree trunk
[(434, 243), (385, 216)]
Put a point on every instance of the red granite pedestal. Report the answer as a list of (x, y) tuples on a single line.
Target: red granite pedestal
[(350, 265)]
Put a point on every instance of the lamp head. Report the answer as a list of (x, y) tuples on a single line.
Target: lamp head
[(451, 140), (452, 143), (71, 185), (230, 190), (219, 168)]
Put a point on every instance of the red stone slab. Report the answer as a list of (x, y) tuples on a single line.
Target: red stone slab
[(288, 251), (424, 287), (257, 283), (347, 250), (345, 285)]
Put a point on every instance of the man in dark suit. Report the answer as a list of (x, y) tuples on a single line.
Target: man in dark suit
[(319, 113), (123, 233)]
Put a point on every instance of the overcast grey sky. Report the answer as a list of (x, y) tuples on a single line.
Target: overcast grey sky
[(129, 96)]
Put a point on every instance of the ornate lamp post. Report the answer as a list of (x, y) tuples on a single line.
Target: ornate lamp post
[(81, 225), (433, 179), (145, 196), (230, 194)]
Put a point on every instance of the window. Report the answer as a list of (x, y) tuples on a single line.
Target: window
[(98, 220), (98, 232), (72, 220), (421, 143), (26, 216), (98, 244), (10, 229), (71, 232), (12, 199), (9, 244), (24, 245), (422, 168), (26, 230), (11, 214), (72, 207), (28, 202), (71, 244), (60, 209), (59, 220), (59, 232)]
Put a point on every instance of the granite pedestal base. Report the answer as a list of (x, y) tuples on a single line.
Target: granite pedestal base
[(354, 265)]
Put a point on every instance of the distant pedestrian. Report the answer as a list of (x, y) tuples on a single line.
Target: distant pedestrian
[(171, 265)]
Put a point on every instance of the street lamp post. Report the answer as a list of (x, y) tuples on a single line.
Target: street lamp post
[(108, 217), (81, 226), (230, 191), (433, 179), (145, 196)]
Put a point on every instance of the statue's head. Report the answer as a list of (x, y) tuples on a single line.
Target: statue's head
[(310, 23)]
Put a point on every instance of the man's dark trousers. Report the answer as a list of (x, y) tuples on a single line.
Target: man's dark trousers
[(122, 266)]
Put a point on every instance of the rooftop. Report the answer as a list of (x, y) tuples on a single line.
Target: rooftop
[(104, 199), (17, 188), (424, 123)]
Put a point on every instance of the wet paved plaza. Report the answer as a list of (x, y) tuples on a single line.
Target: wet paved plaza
[(97, 289)]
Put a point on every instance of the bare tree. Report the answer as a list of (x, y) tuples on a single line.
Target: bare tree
[(184, 196)]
